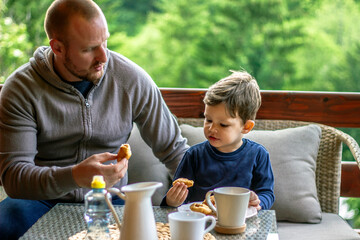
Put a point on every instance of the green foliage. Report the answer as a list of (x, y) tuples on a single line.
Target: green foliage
[(193, 46), (32, 14), (14, 45), (328, 60), (354, 205), (348, 71), (293, 45), (354, 133), (127, 15)]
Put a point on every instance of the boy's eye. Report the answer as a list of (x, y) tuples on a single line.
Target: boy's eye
[(223, 125), (208, 120)]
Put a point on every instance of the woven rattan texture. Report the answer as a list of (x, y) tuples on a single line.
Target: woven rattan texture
[(328, 164)]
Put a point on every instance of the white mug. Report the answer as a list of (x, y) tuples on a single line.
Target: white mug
[(189, 225), (231, 205)]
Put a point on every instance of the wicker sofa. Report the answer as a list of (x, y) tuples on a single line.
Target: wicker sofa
[(326, 177)]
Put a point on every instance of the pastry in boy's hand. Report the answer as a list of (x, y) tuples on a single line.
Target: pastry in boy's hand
[(187, 182), (124, 152)]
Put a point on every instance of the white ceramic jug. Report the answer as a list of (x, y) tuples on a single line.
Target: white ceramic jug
[(138, 220)]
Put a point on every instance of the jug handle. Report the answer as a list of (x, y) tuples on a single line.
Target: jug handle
[(117, 192), (111, 207)]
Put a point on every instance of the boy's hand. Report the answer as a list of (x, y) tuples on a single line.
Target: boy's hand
[(254, 200), (176, 195)]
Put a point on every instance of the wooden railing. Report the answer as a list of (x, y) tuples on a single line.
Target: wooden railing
[(335, 109)]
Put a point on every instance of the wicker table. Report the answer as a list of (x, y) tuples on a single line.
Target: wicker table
[(65, 220)]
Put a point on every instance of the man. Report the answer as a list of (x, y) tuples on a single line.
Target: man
[(64, 115)]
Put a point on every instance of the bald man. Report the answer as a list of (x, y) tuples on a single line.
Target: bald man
[(64, 115)]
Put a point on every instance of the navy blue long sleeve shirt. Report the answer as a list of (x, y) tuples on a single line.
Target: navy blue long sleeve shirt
[(248, 167)]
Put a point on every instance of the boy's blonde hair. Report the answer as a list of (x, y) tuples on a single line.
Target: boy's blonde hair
[(240, 93)]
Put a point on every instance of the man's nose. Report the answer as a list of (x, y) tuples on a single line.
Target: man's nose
[(101, 54)]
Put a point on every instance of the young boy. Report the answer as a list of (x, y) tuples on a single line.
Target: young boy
[(226, 158)]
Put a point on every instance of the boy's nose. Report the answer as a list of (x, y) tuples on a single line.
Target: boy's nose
[(212, 128)]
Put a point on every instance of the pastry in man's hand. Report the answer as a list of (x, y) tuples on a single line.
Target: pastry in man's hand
[(187, 182), (124, 152)]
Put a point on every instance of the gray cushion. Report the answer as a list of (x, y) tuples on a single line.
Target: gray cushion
[(332, 227), (145, 167), (293, 154)]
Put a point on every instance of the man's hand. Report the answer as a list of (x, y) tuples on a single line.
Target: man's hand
[(85, 170), (254, 201), (177, 194)]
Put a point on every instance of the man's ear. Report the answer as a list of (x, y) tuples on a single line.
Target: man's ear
[(248, 126), (57, 47)]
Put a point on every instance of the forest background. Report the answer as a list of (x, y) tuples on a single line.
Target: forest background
[(306, 45)]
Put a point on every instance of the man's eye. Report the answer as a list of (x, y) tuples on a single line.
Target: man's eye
[(88, 49), (223, 125), (208, 121)]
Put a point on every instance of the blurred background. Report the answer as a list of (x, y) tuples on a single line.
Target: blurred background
[(305, 45)]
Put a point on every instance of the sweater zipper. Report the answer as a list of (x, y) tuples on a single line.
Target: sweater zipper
[(87, 104)]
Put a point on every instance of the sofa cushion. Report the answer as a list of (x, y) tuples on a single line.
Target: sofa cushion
[(332, 227), (145, 167), (293, 153)]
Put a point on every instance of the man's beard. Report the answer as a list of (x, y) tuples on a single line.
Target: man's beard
[(87, 76)]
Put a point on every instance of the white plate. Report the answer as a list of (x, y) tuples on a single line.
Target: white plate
[(251, 211)]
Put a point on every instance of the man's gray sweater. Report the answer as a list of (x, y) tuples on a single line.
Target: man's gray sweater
[(47, 125)]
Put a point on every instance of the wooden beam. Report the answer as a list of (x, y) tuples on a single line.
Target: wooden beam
[(350, 180), (337, 109), (334, 109), (185, 103)]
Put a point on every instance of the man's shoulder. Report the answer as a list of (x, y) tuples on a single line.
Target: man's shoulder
[(124, 69), (117, 60)]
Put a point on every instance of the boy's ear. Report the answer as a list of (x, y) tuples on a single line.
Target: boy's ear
[(248, 126)]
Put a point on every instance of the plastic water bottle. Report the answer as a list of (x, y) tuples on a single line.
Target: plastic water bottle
[(97, 212)]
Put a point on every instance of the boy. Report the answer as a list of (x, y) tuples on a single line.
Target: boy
[(226, 158)]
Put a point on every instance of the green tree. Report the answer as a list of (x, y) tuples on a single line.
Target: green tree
[(347, 74), (123, 16), (195, 46), (32, 14), (14, 45), (22, 28), (127, 15), (354, 205), (328, 60)]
